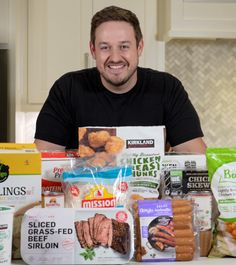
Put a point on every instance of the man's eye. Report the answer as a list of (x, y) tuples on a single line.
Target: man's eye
[(125, 47), (104, 48)]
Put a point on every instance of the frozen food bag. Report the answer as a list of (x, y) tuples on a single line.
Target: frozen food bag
[(97, 187), (221, 164)]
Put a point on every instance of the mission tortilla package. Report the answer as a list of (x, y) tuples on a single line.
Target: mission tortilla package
[(85, 236), (221, 164), (141, 147)]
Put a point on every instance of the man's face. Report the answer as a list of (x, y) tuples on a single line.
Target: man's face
[(117, 55)]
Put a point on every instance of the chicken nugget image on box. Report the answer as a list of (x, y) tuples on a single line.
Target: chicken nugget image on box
[(81, 132), (98, 139), (114, 145), (85, 151)]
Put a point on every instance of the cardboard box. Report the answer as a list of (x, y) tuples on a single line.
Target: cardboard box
[(142, 147), (184, 161), (20, 183), (20, 174)]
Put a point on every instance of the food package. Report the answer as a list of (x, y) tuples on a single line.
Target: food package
[(164, 230), (140, 146), (184, 161), (186, 176), (97, 187), (20, 183), (53, 165), (221, 164), (85, 236)]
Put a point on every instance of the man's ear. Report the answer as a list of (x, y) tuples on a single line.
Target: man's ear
[(140, 47), (92, 50)]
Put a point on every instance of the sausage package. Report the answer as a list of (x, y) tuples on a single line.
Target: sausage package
[(186, 176), (221, 164), (85, 236), (140, 146), (164, 230)]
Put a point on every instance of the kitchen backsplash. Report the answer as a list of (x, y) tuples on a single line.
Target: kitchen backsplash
[(207, 69)]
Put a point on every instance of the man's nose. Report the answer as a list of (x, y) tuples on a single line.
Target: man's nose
[(115, 54)]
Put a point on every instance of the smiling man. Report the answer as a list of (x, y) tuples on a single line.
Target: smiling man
[(117, 92)]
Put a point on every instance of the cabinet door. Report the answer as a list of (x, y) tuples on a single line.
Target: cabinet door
[(206, 19), (58, 36), (59, 32), (4, 29)]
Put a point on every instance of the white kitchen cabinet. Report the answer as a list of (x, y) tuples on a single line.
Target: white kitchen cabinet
[(203, 19), (4, 23), (58, 39), (57, 34)]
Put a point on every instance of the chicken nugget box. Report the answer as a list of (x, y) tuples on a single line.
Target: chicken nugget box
[(142, 147), (85, 236), (20, 183)]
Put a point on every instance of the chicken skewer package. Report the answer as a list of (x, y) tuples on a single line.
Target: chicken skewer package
[(85, 236)]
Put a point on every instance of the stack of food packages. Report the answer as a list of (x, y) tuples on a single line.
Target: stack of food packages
[(169, 195)]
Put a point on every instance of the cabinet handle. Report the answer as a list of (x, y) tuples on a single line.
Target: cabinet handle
[(86, 60)]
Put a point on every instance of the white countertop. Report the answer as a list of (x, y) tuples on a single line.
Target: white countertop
[(206, 261)]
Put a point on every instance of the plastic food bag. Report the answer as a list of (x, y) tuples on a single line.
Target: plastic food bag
[(96, 187), (222, 173)]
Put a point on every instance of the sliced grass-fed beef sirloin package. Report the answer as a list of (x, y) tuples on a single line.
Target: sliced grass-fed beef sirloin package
[(85, 236), (139, 146), (221, 164)]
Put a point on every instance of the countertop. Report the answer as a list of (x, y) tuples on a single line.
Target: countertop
[(205, 261)]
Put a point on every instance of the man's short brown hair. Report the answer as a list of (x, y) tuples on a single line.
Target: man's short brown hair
[(114, 13)]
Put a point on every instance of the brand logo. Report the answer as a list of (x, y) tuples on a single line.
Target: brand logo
[(140, 143), (4, 172), (229, 174), (102, 203)]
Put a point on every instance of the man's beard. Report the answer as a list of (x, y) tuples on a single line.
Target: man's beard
[(119, 82)]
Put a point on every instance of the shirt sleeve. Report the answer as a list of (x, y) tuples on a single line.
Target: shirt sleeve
[(55, 121), (182, 121)]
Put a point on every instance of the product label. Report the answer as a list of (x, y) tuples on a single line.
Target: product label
[(85, 236), (224, 183), (180, 182), (156, 221)]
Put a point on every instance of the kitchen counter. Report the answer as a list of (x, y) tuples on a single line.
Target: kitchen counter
[(206, 261)]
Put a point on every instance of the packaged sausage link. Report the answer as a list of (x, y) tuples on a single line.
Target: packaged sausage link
[(193, 184), (164, 230), (221, 164)]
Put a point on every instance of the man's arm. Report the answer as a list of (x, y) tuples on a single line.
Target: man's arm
[(196, 145), (47, 146)]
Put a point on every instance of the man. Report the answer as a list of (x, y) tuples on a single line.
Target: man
[(117, 92)]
